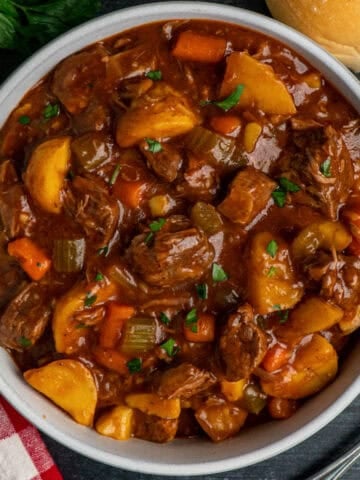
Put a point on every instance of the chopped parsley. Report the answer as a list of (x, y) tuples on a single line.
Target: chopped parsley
[(154, 74), (51, 110), (24, 342), (288, 185), (202, 291), (154, 145), (103, 250), (279, 196), (89, 299), (169, 347), (191, 320), (134, 365), (283, 316), (325, 168), (271, 272), (154, 226), (285, 186), (99, 277), (227, 103), (218, 273), (115, 174), (272, 248), (24, 120), (164, 318), (149, 238)]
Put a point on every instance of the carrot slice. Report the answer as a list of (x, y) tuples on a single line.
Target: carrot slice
[(199, 48), (31, 257), (111, 359), (275, 358), (201, 331), (129, 193), (226, 124), (110, 330)]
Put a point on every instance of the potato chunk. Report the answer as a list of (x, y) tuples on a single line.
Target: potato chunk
[(70, 385), (314, 366), (45, 174), (272, 284), (117, 423), (160, 112), (152, 404), (263, 90)]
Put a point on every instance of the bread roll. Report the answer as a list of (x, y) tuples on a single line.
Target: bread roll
[(335, 24)]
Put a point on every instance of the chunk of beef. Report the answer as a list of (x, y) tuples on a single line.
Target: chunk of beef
[(96, 117), (155, 429), (201, 181), (184, 381), (131, 63), (177, 254), (90, 204), (76, 77), (15, 212), (166, 163), (25, 318), (242, 345), (249, 193)]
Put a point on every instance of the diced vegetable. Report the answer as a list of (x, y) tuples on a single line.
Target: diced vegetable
[(324, 235), (233, 391), (204, 331), (205, 216), (254, 399), (91, 150), (314, 366), (152, 404), (111, 359), (161, 112), (116, 423), (113, 323), (195, 47), (46, 172), (252, 133), (32, 258), (226, 125), (160, 205), (139, 335), (262, 88), (129, 193), (70, 385), (214, 148), (276, 357), (279, 291), (69, 255), (281, 408)]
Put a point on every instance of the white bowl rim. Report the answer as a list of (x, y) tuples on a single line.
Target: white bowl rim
[(333, 69)]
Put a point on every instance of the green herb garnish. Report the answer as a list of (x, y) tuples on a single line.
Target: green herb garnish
[(89, 299), (154, 74), (271, 272), (24, 120), (103, 250), (115, 174), (325, 168), (149, 238), (99, 277), (218, 273), (272, 248), (157, 225), (288, 185), (229, 102), (279, 196), (191, 320), (169, 347), (134, 365), (283, 316), (51, 111), (154, 145), (24, 342), (202, 291), (164, 318)]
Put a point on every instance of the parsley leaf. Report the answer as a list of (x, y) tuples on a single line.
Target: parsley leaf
[(285, 186), (229, 102), (89, 299), (134, 365), (149, 238), (325, 168), (271, 272), (51, 111), (283, 316), (103, 250), (279, 196), (154, 74), (169, 347), (288, 185), (154, 145), (115, 174), (218, 273), (24, 120), (191, 320), (99, 277), (24, 342), (164, 318), (157, 225), (202, 291), (272, 248)]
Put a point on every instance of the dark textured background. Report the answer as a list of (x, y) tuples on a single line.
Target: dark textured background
[(295, 464)]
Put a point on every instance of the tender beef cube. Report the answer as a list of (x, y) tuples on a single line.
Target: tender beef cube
[(130, 63), (155, 429), (89, 203), (184, 381), (76, 77), (201, 181), (177, 254), (166, 163), (249, 193), (242, 345), (15, 212), (96, 117), (25, 318)]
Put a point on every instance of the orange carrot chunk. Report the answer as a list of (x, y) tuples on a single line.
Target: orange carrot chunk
[(111, 327), (226, 124), (199, 48), (203, 330), (32, 258), (111, 359), (275, 358), (129, 193)]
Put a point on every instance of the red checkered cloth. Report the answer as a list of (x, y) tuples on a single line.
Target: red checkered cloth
[(23, 454)]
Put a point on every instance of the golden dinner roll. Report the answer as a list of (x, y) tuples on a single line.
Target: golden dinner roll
[(332, 23)]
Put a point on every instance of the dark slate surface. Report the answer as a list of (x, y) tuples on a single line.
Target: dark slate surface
[(295, 464)]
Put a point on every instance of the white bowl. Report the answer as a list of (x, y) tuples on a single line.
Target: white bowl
[(182, 457)]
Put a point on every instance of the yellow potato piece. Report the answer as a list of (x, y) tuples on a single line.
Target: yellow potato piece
[(45, 174), (252, 133), (67, 330), (314, 366), (152, 404), (350, 321), (117, 423), (263, 90), (160, 112), (324, 235), (70, 385), (313, 315), (272, 284), (233, 391)]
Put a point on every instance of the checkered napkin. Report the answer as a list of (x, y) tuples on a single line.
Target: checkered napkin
[(23, 454)]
